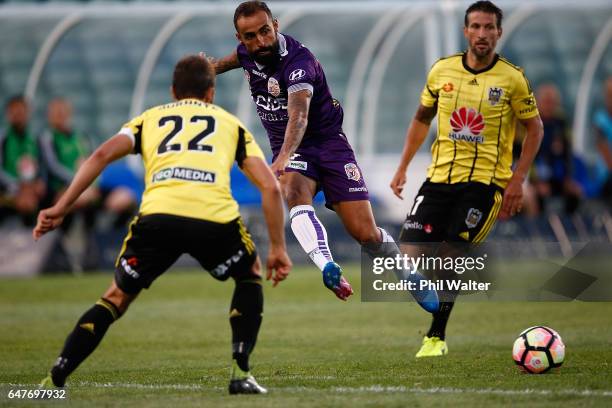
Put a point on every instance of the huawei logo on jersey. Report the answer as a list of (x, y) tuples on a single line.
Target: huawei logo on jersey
[(467, 124), (467, 120)]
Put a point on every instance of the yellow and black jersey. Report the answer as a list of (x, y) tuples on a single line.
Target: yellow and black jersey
[(477, 113), (188, 148)]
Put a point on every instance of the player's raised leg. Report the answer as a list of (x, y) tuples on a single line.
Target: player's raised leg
[(310, 232), (88, 333), (359, 221)]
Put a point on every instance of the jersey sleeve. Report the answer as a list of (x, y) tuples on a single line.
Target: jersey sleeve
[(133, 129), (429, 96), (247, 146), (522, 100), (301, 75)]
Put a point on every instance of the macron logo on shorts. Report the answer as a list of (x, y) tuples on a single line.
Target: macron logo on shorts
[(358, 190)]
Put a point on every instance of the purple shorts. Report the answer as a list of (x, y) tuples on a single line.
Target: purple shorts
[(331, 163)]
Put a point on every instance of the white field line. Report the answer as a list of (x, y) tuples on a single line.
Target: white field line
[(371, 389), (489, 391)]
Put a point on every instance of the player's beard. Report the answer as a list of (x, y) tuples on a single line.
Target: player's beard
[(482, 54), (271, 56)]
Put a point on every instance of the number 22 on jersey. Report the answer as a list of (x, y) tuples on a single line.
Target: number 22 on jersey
[(194, 144)]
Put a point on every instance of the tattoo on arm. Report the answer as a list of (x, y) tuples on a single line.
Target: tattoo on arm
[(297, 108), (226, 63), (425, 114)]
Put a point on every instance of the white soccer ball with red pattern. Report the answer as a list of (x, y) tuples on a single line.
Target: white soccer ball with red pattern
[(538, 349)]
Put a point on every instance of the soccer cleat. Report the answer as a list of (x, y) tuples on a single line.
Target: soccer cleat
[(246, 385), (432, 347), (426, 298), (334, 281), (47, 383)]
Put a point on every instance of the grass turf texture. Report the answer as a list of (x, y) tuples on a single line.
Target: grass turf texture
[(172, 347)]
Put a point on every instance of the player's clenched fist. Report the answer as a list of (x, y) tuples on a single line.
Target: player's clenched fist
[(48, 220), (398, 182), (278, 265)]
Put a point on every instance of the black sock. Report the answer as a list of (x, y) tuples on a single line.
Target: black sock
[(440, 319), (83, 340), (245, 319)]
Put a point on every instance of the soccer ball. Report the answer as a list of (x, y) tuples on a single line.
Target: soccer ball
[(538, 349)]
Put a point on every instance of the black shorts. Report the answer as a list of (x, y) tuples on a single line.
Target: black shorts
[(461, 212), (154, 242)]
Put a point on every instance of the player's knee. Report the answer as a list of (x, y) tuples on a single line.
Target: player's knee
[(296, 196), (248, 270), (256, 268), (247, 278), (365, 235), (248, 293), (120, 299)]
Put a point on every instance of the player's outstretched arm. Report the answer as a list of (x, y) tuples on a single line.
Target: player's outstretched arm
[(298, 106), (223, 64), (415, 136), (278, 263), (513, 194), (114, 148)]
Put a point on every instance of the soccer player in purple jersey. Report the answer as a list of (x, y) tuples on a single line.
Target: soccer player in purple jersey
[(310, 150)]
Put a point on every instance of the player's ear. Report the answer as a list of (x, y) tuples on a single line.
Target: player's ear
[(275, 24), (238, 37), (209, 95)]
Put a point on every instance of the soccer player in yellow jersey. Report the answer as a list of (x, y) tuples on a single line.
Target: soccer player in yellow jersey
[(188, 148), (478, 96)]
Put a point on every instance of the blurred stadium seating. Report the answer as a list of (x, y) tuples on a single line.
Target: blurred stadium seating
[(375, 54)]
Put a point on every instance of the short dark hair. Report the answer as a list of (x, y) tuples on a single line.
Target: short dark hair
[(19, 98), (193, 76), (485, 7), (248, 8)]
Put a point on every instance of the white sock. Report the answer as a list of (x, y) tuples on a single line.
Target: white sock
[(311, 234), (390, 249), (385, 236)]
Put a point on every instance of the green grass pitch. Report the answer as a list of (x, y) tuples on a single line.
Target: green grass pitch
[(172, 348)]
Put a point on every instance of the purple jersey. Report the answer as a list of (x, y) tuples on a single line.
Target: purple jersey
[(297, 69)]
